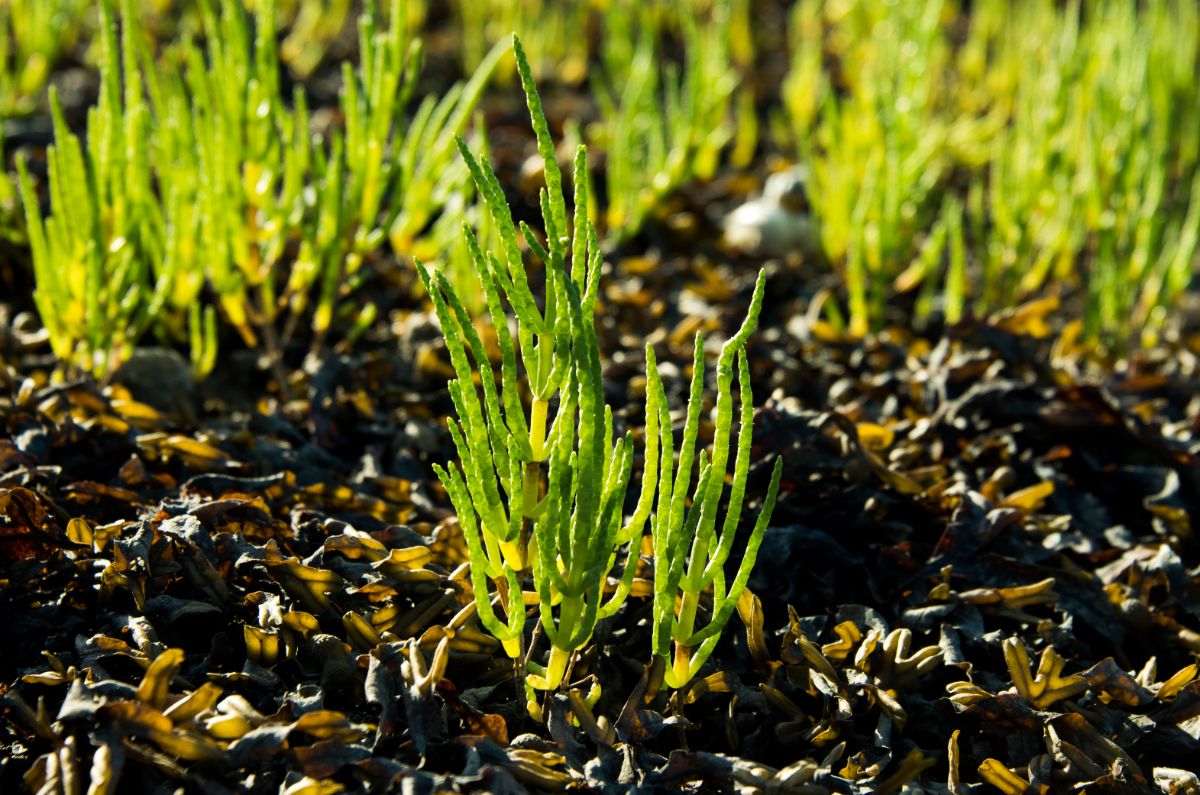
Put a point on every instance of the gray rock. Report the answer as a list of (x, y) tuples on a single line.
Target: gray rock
[(159, 377)]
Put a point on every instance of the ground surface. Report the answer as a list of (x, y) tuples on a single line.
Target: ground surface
[(944, 493)]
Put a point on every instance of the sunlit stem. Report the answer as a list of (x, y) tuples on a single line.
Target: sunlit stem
[(533, 470), (502, 553), (680, 671), (537, 428), (511, 645), (686, 622), (695, 573), (687, 614), (514, 555), (494, 555), (550, 677)]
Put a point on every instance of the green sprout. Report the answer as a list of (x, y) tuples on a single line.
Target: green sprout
[(203, 188), (556, 30), (502, 449), (1051, 148), (34, 35), (662, 125), (541, 498), (94, 291), (689, 554)]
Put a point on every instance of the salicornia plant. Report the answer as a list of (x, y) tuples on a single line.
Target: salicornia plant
[(203, 186), (34, 34), (509, 525), (540, 498), (689, 553), (94, 290), (662, 123), (1052, 147)]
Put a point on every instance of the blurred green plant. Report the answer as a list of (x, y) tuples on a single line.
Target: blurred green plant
[(445, 247), (1094, 182), (34, 35), (877, 146), (668, 86), (314, 25), (202, 182), (662, 124), (1051, 149), (556, 32), (94, 289)]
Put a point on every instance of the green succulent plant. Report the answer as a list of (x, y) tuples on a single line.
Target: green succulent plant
[(540, 496)]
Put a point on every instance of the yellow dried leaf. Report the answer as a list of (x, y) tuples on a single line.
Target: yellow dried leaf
[(913, 765), (327, 724), (301, 622), (106, 768), (1031, 498), (953, 779), (79, 531), (1017, 596), (359, 631), (749, 608), (139, 414), (781, 702), (1047, 685), (875, 437), (1029, 318), (1172, 687), (199, 700), (995, 773), (262, 646), (355, 547), (155, 687), (194, 451), (186, 745), (965, 694), (310, 586), (313, 786), (107, 532), (848, 637), (228, 726), (400, 562), (108, 422)]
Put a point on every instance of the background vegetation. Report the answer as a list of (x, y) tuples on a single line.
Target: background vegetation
[(960, 159)]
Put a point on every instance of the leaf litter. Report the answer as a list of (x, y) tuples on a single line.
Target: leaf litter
[(981, 569)]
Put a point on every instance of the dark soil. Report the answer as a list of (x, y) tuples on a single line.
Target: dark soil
[(943, 493)]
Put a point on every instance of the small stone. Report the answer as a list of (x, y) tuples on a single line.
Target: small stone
[(159, 377), (779, 222)]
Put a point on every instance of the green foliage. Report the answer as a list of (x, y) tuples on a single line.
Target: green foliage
[(879, 150), (202, 181), (662, 124), (446, 240), (34, 34), (94, 290), (1098, 164), (509, 526), (555, 31), (544, 497), (689, 553), (1053, 148), (315, 23)]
